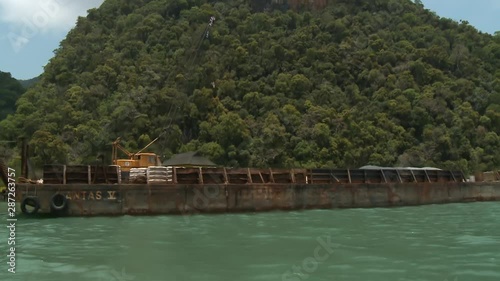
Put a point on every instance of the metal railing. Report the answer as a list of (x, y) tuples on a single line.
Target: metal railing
[(65, 174)]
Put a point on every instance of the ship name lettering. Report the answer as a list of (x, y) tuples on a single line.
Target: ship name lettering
[(89, 195), (111, 195)]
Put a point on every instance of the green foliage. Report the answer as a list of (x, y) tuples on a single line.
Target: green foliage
[(28, 83), (359, 82), (10, 91)]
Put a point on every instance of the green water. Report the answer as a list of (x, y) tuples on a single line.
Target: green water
[(440, 242)]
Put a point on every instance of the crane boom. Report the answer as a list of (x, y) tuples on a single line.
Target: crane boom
[(138, 159), (149, 144), (116, 146)]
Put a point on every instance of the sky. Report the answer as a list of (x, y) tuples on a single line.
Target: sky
[(30, 30)]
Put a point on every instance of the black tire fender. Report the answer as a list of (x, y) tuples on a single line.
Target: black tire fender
[(31, 201), (58, 202)]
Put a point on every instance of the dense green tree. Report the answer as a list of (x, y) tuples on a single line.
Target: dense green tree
[(347, 84), (10, 91)]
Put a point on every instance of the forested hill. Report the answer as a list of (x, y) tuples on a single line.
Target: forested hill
[(10, 91), (29, 82), (381, 82)]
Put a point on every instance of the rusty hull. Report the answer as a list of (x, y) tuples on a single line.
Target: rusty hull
[(144, 199)]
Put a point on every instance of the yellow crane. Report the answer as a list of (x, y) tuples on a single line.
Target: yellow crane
[(138, 159)]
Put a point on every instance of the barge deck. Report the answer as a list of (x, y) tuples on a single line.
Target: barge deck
[(94, 191)]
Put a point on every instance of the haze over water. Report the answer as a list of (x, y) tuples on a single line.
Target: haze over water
[(438, 242)]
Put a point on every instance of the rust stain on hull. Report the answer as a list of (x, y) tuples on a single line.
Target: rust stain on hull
[(154, 199)]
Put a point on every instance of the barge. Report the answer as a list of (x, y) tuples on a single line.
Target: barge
[(101, 191)]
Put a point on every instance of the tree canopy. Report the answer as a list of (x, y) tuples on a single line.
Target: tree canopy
[(270, 84), (29, 82), (10, 91)]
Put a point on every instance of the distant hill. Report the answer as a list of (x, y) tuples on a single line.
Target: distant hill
[(10, 91), (341, 83), (30, 82)]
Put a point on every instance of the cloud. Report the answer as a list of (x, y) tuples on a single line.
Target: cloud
[(44, 15)]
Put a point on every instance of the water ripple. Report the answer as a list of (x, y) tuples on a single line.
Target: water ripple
[(437, 242)]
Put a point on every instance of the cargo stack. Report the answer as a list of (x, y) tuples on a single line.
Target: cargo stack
[(159, 174), (138, 175)]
